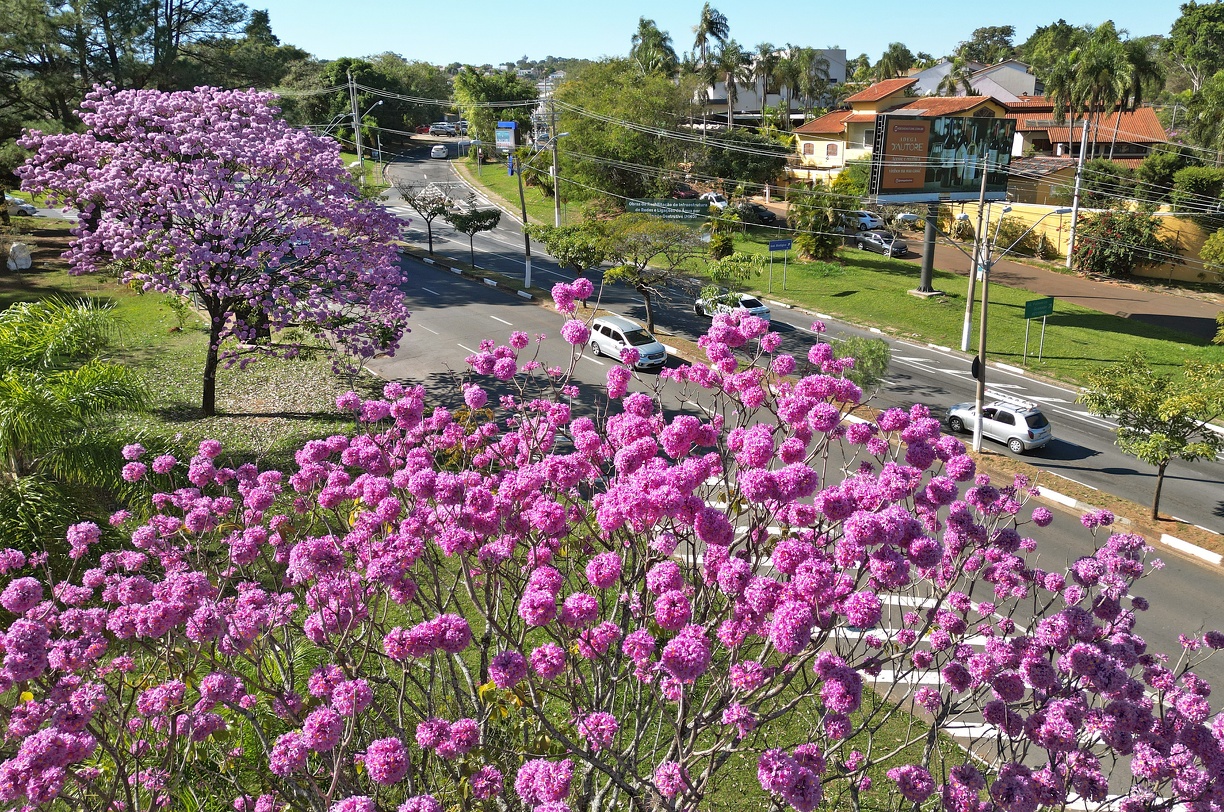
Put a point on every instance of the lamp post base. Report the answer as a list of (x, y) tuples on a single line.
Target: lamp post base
[(925, 294)]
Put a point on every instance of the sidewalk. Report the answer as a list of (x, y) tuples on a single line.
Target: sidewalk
[(1193, 315)]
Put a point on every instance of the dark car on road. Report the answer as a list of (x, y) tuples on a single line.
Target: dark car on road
[(756, 213), (882, 242), (682, 191)]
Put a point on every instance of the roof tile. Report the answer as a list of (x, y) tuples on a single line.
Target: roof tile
[(832, 123), (882, 89)]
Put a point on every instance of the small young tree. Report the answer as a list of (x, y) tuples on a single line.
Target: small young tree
[(1160, 417), (729, 271), (427, 200), (648, 253), (1114, 243), (581, 246), (210, 193), (814, 212), (471, 221)]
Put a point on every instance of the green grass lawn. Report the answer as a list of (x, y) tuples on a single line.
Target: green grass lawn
[(873, 290), (499, 184), (374, 181)]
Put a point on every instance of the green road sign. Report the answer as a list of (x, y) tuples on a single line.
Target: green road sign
[(1037, 308)]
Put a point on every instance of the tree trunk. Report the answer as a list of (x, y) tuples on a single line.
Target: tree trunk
[(1160, 472), (649, 309), (429, 231), (209, 403), (472, 250)]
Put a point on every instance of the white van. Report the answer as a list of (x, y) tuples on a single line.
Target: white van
[(611, 334)]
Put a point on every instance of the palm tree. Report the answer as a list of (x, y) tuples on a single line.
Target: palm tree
[(652, 49), (734, 67), (1102, 75), (54, 390), (958, 76), (894, 62), (813, 76), (1145, 73), (712, 25), (786, 74), (764, 68)]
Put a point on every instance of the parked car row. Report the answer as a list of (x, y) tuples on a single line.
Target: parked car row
[(444, 128)]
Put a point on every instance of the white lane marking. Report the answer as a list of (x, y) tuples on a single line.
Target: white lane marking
[(592, 360), (423, 327), (430, 290), (469, 349), (503, 321)]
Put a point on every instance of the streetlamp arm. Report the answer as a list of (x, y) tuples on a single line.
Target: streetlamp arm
[(1026, 231)]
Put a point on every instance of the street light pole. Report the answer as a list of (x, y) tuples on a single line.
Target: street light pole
[(978, 242), (988, 262), (523, 203)]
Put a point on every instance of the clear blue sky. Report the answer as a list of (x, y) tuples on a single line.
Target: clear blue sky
[(480, 31)]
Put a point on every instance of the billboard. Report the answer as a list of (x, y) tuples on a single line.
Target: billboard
[(503, 136), (926, 160), (666, 208)]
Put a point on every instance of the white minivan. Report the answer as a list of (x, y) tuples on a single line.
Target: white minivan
[(611, 334)]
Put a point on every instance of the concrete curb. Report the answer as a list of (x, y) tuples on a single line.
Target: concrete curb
[(1172, 542)]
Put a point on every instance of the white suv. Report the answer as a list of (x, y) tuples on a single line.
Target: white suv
[(742, 303), (1018, 423), (611, 334)]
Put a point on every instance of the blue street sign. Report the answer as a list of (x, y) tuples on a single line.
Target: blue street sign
[(510, 165), (780, 245)]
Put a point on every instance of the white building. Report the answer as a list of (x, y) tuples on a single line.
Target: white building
[(747, 104)]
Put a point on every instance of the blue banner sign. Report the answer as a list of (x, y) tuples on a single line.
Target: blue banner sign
[(780, 245)]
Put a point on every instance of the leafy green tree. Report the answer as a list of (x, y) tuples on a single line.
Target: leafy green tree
[(1212, 252), (871, 359), (471, 221), (764, 65), (1205, 114), (629, 161), (1114, 243), (474, 90), (730, 271), (1048, 45), (859, 69), (581, 246), (742, 156), (989, 45), (56, 389), (1160, 417), (652, 49), (815, 216), (1104, 182), (958, 77), (734, 68), (851, 183), (1198, 189), (895, 60), (1196, 41), (1154, 177), (649, 254), (427, 200)]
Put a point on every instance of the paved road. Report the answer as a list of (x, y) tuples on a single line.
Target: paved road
[(451, 315), (1083, 450)]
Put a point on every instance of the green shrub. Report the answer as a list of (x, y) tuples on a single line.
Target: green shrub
[(1197, 189), (1014, 232), (1114, 243), (721, 245)]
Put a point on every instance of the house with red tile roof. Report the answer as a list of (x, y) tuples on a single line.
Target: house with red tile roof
[(1123, 136), (826, 144)]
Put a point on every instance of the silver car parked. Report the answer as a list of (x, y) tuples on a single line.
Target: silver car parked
[(1018, 423)]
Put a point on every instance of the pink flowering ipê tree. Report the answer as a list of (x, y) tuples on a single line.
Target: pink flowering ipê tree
[(512, 606), (208, 194)]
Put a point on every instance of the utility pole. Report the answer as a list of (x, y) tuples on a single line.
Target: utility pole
[(1075, 200), (556, 177), (978, 242), (980, 398), (526, 239), (356, 129)]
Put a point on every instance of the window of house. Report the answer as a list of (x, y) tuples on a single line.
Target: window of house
[(809, 148), (831, 151), (868, 136)]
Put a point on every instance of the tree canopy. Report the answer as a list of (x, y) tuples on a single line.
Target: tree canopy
[(1160, 417), (209, 193), (477, 95), (619, 159)]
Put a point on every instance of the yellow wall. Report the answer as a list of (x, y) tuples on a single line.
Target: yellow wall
[(1187, 234)]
